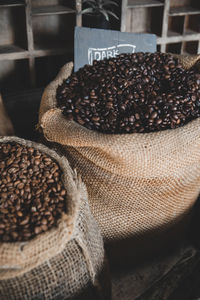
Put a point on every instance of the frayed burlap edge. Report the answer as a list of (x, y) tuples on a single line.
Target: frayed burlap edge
[(49, 94)]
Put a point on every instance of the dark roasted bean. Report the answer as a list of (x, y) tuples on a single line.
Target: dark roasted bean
[(152, 87)]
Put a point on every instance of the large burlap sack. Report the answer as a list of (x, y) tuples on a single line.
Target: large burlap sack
[(141, 187), (66, 262)]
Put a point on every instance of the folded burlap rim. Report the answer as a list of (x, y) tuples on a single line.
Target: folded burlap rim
[(20, 257)]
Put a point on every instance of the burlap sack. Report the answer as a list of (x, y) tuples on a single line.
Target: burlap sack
[(141, 186), (66, 262)]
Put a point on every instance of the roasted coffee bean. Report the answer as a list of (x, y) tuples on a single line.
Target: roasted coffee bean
[(140, 92), (30, 202)]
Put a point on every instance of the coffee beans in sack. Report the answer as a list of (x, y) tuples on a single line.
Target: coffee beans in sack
[(130, 126)]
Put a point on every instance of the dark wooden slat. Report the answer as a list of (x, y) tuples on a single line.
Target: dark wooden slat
[(165, 24), (54, 9), (185, 21), (78, 15), (46, 49), (124, 15), (191, 32), (182, 11), (12, 52), (144, 3), (10, 49), (29, 26), (32, 71), (10, 3), (49, 52), (30, 40), (188, 32), (174, 37)]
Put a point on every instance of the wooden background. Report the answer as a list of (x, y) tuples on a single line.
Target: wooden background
[(36, 36)]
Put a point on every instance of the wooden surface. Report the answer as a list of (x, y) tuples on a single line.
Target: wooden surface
[(142, 16), (52, 10), (144, 3), (30, 29), (182, 282), (11, 3), (184, 10)]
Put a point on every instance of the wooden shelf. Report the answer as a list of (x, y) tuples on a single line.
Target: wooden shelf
[(144, 3), (11, 52), (173, 34), (189, 34), (36, 32), (7, 3), (54, 9), (182, 11), (175, 37), (172, 25), (45, 49), (190, 47)]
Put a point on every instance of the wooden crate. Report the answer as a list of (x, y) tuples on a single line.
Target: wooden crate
[(175, 22), (32, 33)]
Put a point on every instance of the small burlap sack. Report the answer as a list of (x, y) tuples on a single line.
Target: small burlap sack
[(141, 186), (66, 262)]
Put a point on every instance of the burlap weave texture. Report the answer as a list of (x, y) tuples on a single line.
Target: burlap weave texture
[(65, 262), (141, 186)]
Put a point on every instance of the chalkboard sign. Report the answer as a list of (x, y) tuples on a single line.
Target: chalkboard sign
[(91, 44)]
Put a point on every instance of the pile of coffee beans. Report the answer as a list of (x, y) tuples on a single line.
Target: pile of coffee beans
[(32, 195), (140, 92)]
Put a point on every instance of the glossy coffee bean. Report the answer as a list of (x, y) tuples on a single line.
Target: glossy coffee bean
[(140, 92)]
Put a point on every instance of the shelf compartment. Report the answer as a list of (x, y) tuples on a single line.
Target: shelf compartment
[(190, 32), (175, 25), (172, 33), (190, 47), (174, 48), (12, 3), (182, 11), (54, 9), (144, 3), (192, 24), (12, 31), (53, 32), (10, 49), (151, 16), (158, 48)]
